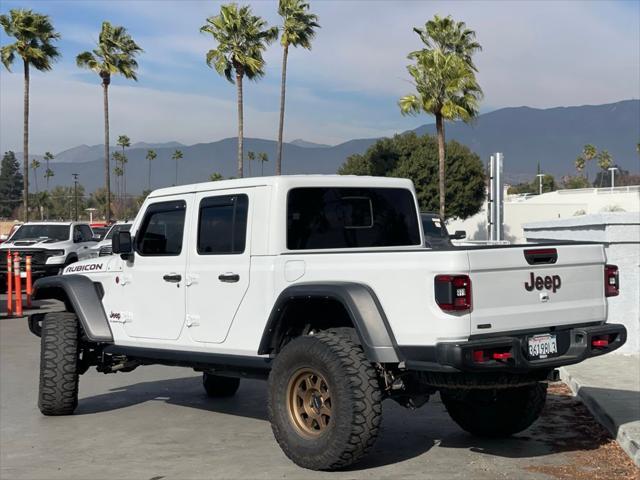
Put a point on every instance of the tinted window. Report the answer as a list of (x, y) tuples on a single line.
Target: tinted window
[(222, 225), (87, 234), (162, 229), (351, 218)]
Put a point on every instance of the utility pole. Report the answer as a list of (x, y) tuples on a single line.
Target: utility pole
[(540, 177), (75, 193), (613, 175)]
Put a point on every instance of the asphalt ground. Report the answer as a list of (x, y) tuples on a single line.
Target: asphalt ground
[(157, 423)]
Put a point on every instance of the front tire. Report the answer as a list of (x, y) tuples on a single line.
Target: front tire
[(495, 412), (325, 403), (59, 376), (217, 386)]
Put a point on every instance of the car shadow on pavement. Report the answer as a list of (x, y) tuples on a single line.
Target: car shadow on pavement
[(564, 426)]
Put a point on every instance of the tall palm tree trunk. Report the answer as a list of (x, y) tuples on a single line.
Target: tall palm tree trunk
[(176, 172), (149, 178), (25, 146), (240, 126), (35, 178), (441, 163), (47, 178), (124, 181), (107, 169), (283, 83)]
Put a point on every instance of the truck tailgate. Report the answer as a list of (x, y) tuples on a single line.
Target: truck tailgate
[(520, 288)]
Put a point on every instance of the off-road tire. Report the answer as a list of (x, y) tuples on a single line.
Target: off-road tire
[(218, 386), (356, 401), (495, 412), (58, 392)]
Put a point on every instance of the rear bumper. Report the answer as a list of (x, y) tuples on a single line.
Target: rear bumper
[(574, 346)]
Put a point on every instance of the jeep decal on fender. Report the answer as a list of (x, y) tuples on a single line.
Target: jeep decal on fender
[(552, 283), (83, 268)]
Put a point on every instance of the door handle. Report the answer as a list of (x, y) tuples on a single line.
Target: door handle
[(172, 277), (229, 277)]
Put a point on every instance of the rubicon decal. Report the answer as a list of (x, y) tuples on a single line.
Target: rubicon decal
[(91, 267), (550, 282)]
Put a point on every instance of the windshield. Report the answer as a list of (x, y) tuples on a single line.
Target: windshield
[(55, 232), (120, 227), (433, 227)]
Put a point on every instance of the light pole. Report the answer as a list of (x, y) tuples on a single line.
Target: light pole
[(540, 177), (75, 193), (613, 175)]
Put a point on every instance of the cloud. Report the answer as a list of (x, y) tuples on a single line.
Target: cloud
[(540, 54)]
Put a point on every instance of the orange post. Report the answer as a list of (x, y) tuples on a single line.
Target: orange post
[(9, 284), (28, 268), (17, 284)]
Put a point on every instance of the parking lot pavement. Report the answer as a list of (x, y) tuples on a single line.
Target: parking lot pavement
[(156, 423)]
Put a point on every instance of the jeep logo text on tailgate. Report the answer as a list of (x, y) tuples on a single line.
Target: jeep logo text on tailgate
[(552, 283)]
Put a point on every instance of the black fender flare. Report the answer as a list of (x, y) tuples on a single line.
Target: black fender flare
[(78, 292), (362, 306)]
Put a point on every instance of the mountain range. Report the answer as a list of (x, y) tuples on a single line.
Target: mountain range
[(554, 137)]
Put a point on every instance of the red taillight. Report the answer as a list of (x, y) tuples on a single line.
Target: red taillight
[(600, 343), (501, 356), (453, 292), (611, 281)]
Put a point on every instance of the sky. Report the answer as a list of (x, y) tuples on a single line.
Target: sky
[(535, 53)]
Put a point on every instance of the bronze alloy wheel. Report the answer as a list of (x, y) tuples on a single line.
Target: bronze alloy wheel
[(309, 402)]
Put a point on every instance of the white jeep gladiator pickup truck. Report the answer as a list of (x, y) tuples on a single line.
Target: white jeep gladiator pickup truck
[(323, 285)]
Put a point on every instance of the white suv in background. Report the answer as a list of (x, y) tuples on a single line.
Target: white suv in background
[(52, 246), (103, 247)]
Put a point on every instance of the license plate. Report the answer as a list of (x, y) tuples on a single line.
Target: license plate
[(542, 346)]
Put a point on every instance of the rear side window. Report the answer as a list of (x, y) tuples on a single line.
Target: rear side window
[(222, 225), (320, 218), (162, 229)]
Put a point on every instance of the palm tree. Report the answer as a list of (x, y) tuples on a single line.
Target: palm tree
[(251, 156), (115, 54), (35, 165), (446, 88), (605, 161), (118, 171), (124, 141), (151, 155), (298, 29), (262, 157), (242, 38), (34, 36), (589, 152), (48, 173), (177, 155), (215, 177)]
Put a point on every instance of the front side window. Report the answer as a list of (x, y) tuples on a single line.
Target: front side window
[(87, 234), (222, 225), (162, 229), (319, 217)]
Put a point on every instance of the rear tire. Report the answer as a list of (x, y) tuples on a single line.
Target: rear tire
[(217, 386), (495, 412), (58, 389), (325, 402)]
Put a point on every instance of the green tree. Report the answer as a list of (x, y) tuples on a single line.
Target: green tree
[(34, 44), (151, 156), (118, 171), (605, 161), (48, 173), (262, 158), (35, 165), (298, 29), (177, 155), (10, 185), (417, 158), (241, 40), (445, 82), (573, 182), (115, 54), (62, 202), (589, 152), (215, 177), (124, 142), (251, 156)]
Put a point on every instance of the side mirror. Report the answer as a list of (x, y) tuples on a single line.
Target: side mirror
[(122, 244), (459, 235)]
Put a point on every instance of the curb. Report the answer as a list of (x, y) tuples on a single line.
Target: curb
[(630, 445)]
